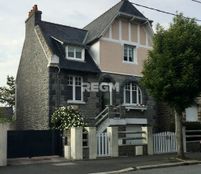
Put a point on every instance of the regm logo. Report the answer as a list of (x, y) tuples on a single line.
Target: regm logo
[(102, 87)]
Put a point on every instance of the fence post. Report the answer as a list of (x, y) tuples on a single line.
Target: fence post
[(3, 143), (184, 137), (92, 142), (149, 139), (113, 141), (76, 143)]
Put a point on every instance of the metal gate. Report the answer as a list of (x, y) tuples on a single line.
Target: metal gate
[(102, 145), (32, 143), (164, 142)]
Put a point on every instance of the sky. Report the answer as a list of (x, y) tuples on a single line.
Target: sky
[(77, 13)]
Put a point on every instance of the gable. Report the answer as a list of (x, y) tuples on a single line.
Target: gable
[(123, 29), (123, 9)]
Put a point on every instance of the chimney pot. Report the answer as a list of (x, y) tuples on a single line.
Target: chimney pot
[(35, 8)]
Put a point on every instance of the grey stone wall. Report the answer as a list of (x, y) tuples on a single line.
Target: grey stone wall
[(59, 95), (32, 83), (150, 113)]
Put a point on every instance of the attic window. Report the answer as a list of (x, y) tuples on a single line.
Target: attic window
[(75, 53)]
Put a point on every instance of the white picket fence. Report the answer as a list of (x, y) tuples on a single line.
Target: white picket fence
[(102, 145), (164, 142)]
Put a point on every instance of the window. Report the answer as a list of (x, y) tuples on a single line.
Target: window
[(132, 94), (75, 53), (74, 88), (129, 53)]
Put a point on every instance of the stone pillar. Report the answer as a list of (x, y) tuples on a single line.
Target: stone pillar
[(3, 143), (76, 143), (149, 139), (113, 141), (67, 152), (92, 142)]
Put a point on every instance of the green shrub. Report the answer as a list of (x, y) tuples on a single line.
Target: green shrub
[(66, 117)]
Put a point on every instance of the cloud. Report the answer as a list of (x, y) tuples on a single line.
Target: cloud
[(76, 13)]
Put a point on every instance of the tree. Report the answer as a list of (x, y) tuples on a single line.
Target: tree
[(66, 117), (172, 72), (7, 93)]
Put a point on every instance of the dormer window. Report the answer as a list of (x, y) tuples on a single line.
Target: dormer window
[(75, 53)]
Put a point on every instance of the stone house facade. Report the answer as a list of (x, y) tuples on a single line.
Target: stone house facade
[(57, 60)]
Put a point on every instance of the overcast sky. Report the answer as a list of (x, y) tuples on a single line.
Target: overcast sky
[(75, 13)]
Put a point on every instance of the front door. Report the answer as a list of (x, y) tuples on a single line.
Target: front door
[(106, 95)]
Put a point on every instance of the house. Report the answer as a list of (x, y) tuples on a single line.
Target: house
[(57, 60)]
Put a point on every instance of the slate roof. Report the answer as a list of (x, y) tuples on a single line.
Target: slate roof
[(100, 24), (63, 33), (57, 36), (87, 66)]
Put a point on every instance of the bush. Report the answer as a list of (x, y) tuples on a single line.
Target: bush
[(66, 117)]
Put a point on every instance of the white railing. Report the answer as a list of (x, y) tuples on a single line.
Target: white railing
[(164, 142), (102, 145), (102, 115)]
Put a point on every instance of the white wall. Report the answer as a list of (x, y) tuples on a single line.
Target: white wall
[(192, 114), (95, 52), (3, 143)]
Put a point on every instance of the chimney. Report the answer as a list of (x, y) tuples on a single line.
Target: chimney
[(35, 14)]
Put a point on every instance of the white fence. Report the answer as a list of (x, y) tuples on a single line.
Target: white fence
[(102, 145), (164, 142)]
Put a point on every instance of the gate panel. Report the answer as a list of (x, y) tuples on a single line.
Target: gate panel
[(32, 143), (164, 142), (102, 145)]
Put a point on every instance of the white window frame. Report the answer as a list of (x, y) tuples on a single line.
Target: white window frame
[(134, 47), (73, 100), (82, 59), (138, 92)]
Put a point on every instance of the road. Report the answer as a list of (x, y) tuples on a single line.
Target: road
[(83, 168), (100, 165), (191, 169)]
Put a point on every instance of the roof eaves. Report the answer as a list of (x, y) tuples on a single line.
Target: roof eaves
[(57, 40), (133, 16), (84, 40)]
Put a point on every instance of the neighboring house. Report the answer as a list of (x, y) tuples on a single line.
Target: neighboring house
[(56, 60)]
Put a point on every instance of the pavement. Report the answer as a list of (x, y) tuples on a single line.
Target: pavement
[(58, 165)]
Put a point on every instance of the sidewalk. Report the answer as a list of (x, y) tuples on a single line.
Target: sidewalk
[(106, 165)]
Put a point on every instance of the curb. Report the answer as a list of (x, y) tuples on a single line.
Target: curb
[(168, 165), (117, 171), (146, 167)]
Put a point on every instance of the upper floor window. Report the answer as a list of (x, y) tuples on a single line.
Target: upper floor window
[(75, 53), (129, 53), (74, 86), (132, 94)]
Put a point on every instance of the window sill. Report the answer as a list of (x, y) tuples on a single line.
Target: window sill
[(76, 59), (76, 102), (135, 107), (132, 63)]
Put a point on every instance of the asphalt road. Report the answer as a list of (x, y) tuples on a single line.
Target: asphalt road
[(100, 165), (75, 167), (191, 169), (84, 167)]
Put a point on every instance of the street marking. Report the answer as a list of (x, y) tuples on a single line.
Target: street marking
[(63, 164), (117, 171)]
